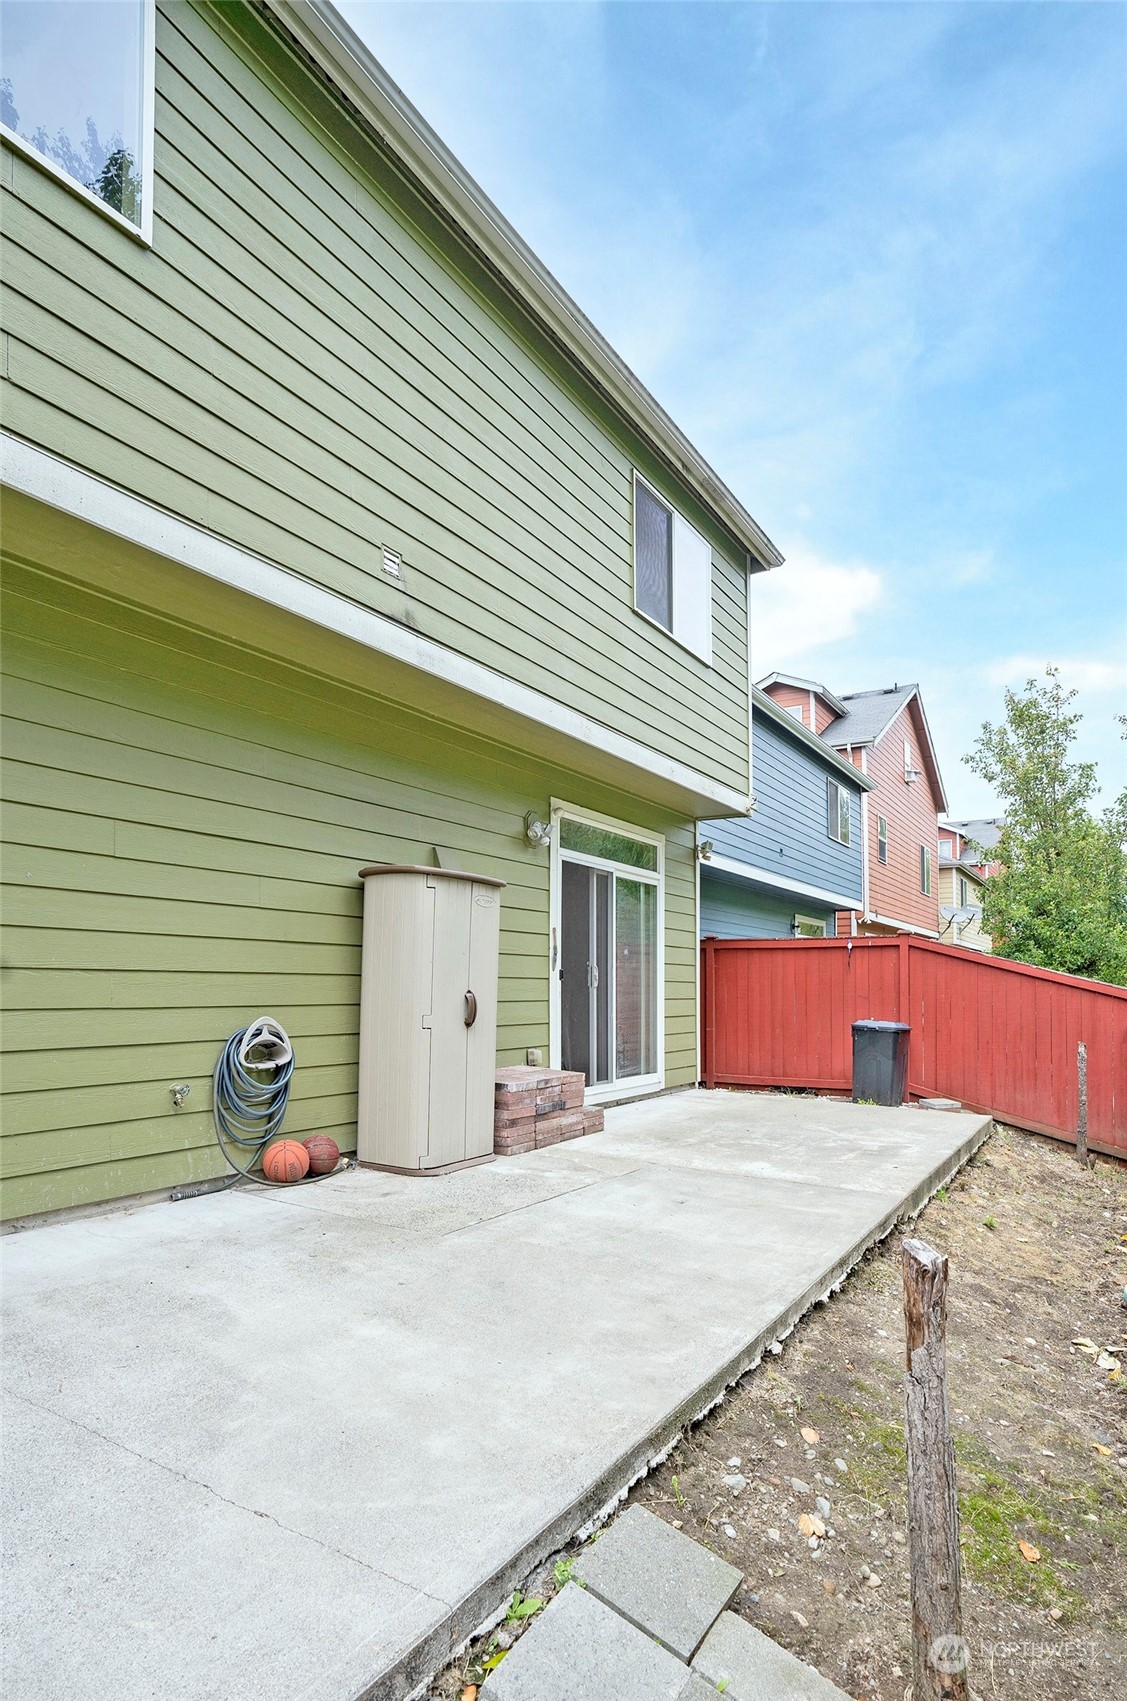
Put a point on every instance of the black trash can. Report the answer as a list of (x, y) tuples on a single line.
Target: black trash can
[(880, 1062)]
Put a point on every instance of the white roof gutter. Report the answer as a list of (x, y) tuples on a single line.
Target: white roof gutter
[(319, 29)]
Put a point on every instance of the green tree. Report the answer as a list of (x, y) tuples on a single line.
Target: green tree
[(1060, 897)]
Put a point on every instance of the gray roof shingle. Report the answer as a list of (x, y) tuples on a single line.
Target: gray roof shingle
[(869, 712), (985, 832)]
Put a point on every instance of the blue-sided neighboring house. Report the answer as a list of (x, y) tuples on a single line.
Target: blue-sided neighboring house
[(785, 870)]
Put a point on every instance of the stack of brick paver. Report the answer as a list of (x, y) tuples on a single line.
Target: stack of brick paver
[(540, 1107)]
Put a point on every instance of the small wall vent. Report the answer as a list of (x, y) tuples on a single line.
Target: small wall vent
[(392, 563)]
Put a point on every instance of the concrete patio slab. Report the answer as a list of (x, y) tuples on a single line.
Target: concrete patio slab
[(397, 1395)]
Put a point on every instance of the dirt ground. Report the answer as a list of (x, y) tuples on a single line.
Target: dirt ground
[(1038, 1261)]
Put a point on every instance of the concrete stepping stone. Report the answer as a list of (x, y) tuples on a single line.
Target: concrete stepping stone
[(757, 1669), (659, 1579), (579, 1648)]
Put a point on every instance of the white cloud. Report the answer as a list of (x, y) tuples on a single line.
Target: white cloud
[(1090, 675), (811, 601)]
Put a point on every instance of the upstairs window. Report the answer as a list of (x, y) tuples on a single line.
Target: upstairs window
[(77, 96), (672, 572), (925, 870), (837, 812), (882, 839)]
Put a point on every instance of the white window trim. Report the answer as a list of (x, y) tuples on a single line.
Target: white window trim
[(640, 612), (841, 791), (636, 1085), (883, 860), (142, 233), (926, 863)]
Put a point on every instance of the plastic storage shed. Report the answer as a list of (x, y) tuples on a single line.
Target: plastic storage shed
[(428, 1018), (880, 1061)]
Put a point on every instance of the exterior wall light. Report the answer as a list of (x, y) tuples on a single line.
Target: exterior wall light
[(537, 832), (704, 850)]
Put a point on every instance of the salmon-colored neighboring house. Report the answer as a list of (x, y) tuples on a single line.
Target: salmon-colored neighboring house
[(885, 734)]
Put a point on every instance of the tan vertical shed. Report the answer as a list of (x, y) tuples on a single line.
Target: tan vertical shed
[(428, 1018)]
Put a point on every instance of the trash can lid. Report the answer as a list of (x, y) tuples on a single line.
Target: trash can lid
[(882, 1027)]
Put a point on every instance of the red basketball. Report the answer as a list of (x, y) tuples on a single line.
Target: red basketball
[(285, 1160), (324, 1154)]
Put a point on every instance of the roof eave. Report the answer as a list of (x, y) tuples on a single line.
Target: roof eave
[(929, 751), (800, 684), (320, 30), (763, 704)]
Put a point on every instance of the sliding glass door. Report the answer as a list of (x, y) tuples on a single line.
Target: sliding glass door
[(608, 954)]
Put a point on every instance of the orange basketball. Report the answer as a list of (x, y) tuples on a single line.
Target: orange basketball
[(285, 1160), (324, 1154)]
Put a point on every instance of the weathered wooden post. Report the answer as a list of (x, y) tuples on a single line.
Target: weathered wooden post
[(1082, 1111), (939, 1654)]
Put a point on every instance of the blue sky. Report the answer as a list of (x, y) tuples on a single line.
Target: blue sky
[(873, 260)]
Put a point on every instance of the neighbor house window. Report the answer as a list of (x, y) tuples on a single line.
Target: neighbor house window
[(672, 572), (882, 839), (925, 870), (795, 709), (77, 95), (809, 927), (964, 893), (837, 812)]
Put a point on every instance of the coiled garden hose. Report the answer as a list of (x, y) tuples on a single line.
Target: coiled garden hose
[(250, 1092)]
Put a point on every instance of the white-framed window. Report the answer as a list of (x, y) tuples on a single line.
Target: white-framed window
[(925, 870), (964, 891), (672, 572), (795, 709), (77, 97), (837, 812), (809, 927), (882, 838), (607, 952)]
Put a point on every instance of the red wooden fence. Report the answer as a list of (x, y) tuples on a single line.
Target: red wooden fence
[(1001, 1037)]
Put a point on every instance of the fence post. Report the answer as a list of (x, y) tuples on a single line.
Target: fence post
[(1082, 1099), (708, 1060), (939, 1654), (904, 1003), (903, 994)]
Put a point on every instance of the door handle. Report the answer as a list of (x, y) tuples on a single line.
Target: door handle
[(471, 1009)]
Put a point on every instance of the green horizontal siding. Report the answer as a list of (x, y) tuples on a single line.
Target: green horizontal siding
[(183, 825), (309, 364)]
